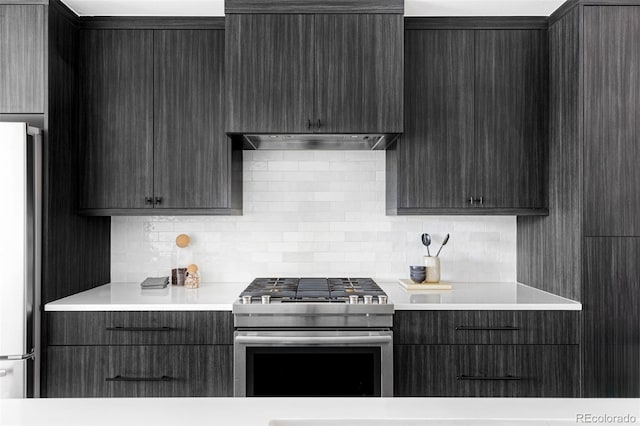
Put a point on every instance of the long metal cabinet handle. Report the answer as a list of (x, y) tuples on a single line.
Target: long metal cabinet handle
[(119, 378), (463, 377), (139, 329), (471, 328), (312, 340), (20, 357), (36, 301)]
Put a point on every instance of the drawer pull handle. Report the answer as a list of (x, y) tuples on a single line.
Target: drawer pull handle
[(463, 377), (138, 379), (139, 329), (470, 328)]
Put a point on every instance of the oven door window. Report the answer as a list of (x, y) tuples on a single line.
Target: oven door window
[(313, 371)]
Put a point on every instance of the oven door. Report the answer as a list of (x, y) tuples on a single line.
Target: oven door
[(313, 363)]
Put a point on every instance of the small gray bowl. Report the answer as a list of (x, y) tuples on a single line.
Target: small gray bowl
[(417, 273), (418, 278)]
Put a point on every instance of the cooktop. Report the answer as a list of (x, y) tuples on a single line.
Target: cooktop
[(312, 289)]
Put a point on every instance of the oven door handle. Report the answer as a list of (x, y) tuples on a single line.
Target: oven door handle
[(318, 340)]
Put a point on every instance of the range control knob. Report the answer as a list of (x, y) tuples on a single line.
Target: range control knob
[(246, 300), (353, 299), (266, 299), (368, 299)]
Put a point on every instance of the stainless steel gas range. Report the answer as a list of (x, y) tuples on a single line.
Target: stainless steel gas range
[(313, 337)]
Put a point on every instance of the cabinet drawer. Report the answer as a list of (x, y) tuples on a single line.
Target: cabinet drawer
[(486, 370), (77, 371), (140, 328), (140, 371), (486, 327)]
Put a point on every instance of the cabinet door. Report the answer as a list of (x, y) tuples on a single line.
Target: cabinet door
[(435, 153), (140, 371), (170, 371), (611, 339), (191, 151), (612, 121), (117, 96), (455, 370), (22, 59), (487, 327), (487, 370), (139, 328), (511, 114), (269, 73), (359, 73)]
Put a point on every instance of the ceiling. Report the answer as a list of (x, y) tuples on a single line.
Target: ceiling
[(216, 7)]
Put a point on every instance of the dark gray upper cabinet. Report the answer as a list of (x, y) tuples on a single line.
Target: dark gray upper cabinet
[(511, 117), (438, 122), (269, 62), (359, 67), (306, 6), (117, 96), (510, 122), (190, 147), (305, 73), (154, 124), (611, 121), (22, 67), (475, 139)]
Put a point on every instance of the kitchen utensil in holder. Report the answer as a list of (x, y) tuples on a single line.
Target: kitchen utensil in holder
[(432, 265)]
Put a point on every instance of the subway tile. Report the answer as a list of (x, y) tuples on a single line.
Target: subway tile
[(283, 166), (305, 156), (297, 257), (315, 213)]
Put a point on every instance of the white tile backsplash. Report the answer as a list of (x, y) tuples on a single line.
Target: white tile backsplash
[(314, 213)]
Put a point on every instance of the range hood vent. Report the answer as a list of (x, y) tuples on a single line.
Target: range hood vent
[(356, 142)]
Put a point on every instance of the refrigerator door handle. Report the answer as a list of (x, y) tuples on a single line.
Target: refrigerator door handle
[(30, 355)]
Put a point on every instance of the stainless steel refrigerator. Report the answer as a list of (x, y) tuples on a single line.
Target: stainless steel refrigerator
[(20, 253)]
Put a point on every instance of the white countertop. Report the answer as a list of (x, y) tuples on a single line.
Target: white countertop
[(220, 297), (130, 297), (478, 296), (321, 411)]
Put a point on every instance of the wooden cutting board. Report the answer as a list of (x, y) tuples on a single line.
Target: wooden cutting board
[(410, 285)]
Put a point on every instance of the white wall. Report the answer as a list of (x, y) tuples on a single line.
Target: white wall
[(314, 213)]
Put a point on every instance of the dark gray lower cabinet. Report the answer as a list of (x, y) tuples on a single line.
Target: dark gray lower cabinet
[(487, 353), (140, 371), (611, 333), (139, 354), (487, 370), (487, 327)]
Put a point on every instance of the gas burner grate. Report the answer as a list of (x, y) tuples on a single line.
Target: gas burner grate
[(312, 289)]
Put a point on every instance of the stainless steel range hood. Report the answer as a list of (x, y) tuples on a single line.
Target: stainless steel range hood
[(357, 142)]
